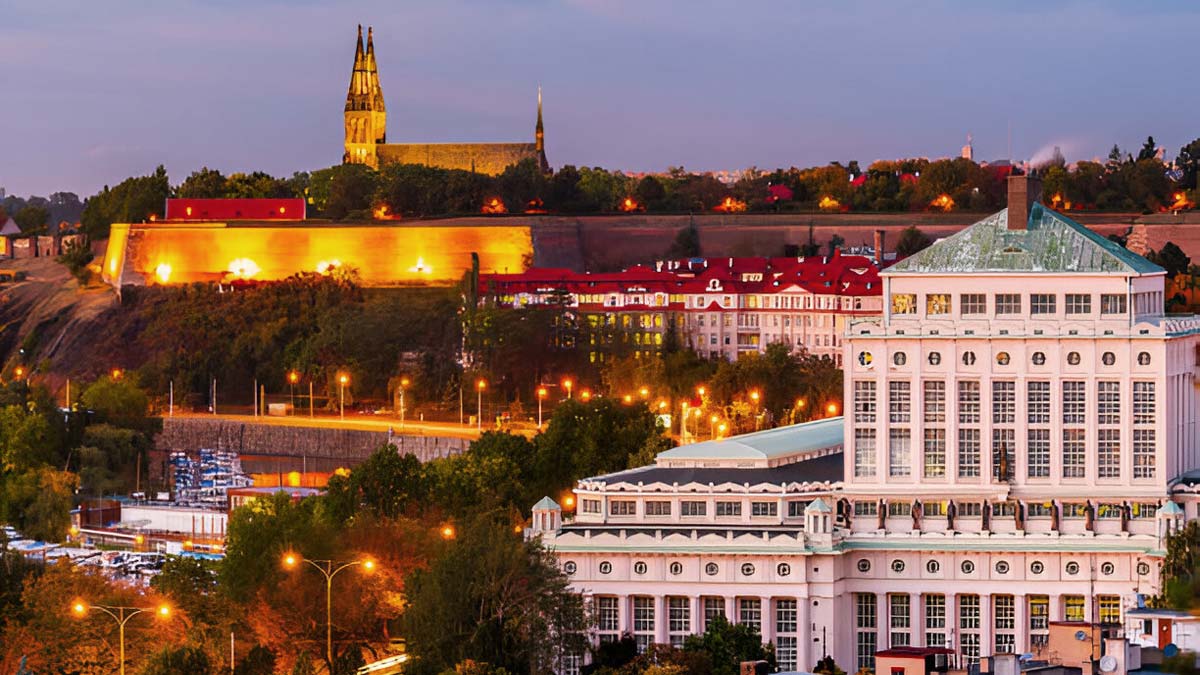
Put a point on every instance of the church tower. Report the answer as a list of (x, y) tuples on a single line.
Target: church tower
[(365, 115), (539, 137)]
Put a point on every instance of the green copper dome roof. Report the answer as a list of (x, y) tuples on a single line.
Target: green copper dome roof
[(1050, 243)]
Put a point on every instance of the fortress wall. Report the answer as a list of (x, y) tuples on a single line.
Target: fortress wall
[(382, 254), (248, 438)]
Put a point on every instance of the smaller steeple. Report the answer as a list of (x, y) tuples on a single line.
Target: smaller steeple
[(539, 134), (373, 86)]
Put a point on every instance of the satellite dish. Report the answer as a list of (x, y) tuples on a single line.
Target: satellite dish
[(1108, 663), (1081, 635)]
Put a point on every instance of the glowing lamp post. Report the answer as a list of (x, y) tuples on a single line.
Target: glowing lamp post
[(541, 396), (293, 378), (19, 372), (754, 396), (117, 373), (832, 409), (645, 392), (712, 426), (329, 570), (585, 395), (121, 615), (404, 382), (567, 384), (480, 385), (343, 380)]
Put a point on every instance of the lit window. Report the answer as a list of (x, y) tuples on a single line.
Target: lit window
[(904, 303), (937, 303)]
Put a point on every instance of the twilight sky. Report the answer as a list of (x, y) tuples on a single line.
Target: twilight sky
[(93, 92)]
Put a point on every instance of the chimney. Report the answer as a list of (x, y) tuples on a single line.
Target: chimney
[(1023, 191), (879, 248)]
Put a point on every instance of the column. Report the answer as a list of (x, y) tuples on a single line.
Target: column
[(987, 626), (624, 618), (953, 626), (1021, 602), (883, 632), (916, 614), (768, 619), (804, 635), (660, 619), (1057, 609), (731, 609), (696, 615)]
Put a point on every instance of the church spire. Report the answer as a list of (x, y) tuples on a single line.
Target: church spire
[(373, 86), (539, 134), (359, 82)]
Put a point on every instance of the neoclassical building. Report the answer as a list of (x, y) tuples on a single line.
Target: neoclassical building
[(366, 130), (1019, 440)]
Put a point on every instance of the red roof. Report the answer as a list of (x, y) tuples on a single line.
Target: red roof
[(235, 209), (842, 275), (913, 652)]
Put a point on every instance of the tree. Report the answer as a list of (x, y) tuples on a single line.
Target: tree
[(258, 661), (38, 502), (75, 256), (516, 613), (728, 645), (1148, 151), (134, 200), (523, 186), (203, 184), (186, 660), (32, 219), (1171, 258), (117, 400), (911, 241), (387, 485), (686, 244), (343, 190), (1188, 162)]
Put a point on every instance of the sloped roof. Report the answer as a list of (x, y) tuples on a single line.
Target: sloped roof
[(822, 469), (1050, 243), (764, 445), (9, 228), (546, 504), (818, 505)]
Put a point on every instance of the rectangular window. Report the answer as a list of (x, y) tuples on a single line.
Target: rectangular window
[(1112, 303), (899, 452), (1110, 608), (1143, 453), (968, 612), (764, 509), (1043, 303), (973, 303), (899, 509), (1079, 303), (1143, 403), (1074, 397), (1074, 451), (1038, 402), (1143, 509), (970, 648), (864, 452), (1004, 402), (713, 608), (904, 303), (935, 453), (900, 611), (729, 509), (1005, 612), (750, 613), (1108, 402), (935, 401), (608, 617), (862, 509), (937, 303), (1109, 511), (1074, 510), (1039, 510), (1073, 605), (658, 508), (1004, 453), (1039, 612), (1004, 509), (935, 612), (968, 453), (1006, 643), (643, 622), (864, 619), (864, 401), (622, 507), (785, 616), (1108, 453), (933, 508), (899, 402), (1037, 458), (1008, 303), (969, 509), (690, 508), (679, 619), (590, 505), (968, 402), (785, 652)]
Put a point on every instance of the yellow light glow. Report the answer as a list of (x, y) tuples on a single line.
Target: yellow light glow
[(569, 501), (567, 383), (701, 390), (481, 385), (754, 395), (447, 532), (421, 267), (293, 479), (189, 210), (800, 403), (644, 391), (187, 543), (162, 272), (327, 267), (282, 210), (628, 399), (112, 265), (243, 268), (828, 203), (79, 608), (585, 395), (293, 377), (289, 560), (368, 565), (832, 408), (19, 372), (164, 611), (541, 392)]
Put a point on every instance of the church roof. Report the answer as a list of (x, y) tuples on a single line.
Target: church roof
[(1050, 243)]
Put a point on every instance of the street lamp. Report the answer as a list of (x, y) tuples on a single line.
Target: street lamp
[(404, 381), (701, 391), (329, 570), (293, 378), (628, 398), (832, 409), (712, 426), (447, 532), (480, 385), (343, 379), (645, 392), (541, 395), (567, 384), (754, 396), (586, 395), (117, 373), (121, 615), (19, 372)]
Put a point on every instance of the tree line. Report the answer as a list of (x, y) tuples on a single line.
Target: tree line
[(1125, 182)]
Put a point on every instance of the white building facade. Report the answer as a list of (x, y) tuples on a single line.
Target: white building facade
[(1019, 429)]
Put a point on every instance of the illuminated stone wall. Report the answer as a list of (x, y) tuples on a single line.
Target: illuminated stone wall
[(384, 255)]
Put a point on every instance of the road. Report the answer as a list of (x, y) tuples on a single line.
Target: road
[(356, 422)]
